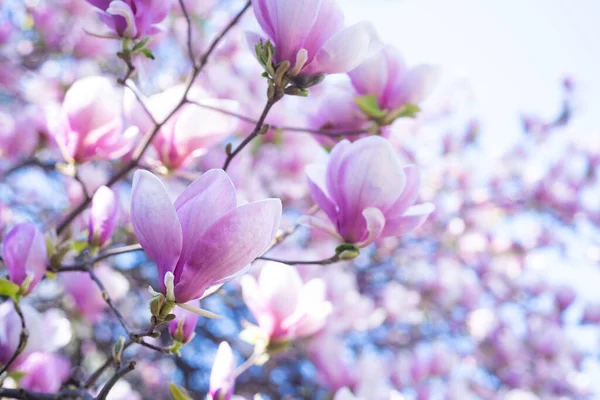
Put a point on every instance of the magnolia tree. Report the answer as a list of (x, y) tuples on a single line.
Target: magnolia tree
[(206, 199)]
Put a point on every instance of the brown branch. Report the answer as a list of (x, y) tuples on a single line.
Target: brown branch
[(331, 260), (82, 266), (143, 146), (319, 132), (257, 128), (114, 379), (108, 300), (74, 394), (189, 32)]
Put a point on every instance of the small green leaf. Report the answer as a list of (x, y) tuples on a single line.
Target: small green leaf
[(79, 246), (147, 53), (368, 105), (8, 288), (16, 375), (407, 111), (178, 393), (140, 45)]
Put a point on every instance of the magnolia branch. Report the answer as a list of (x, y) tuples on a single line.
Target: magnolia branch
[(257, 130), (319, 132), (23, 336), (331, 260), (143, 146)]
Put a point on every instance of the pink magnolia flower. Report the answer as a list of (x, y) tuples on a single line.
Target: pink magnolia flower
[(222, 375), (44, 372), (132, 18), (104, 215), (285, 307), (90, 125), (25, 256), (204, 239), (183, 326), (310, 34), (86, 294), (386, 76), (18, 136), (366, 192), (190, 132)]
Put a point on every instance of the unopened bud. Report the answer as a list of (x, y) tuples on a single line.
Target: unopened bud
[(156, 304), (347, 252), (118, 349), (280, 72), (296, 91)]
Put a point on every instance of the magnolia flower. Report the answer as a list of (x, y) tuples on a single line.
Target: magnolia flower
[(183, 326), (386, 76), (90, 125), (285, 307), (86, 294), (222, 375), (25, 256), (310, 34), (190, 132), (132, 18), (204, 239), (366, 192), (104, 215), (44, 372)]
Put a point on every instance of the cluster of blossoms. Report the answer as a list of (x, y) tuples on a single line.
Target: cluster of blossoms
[(223, 235)]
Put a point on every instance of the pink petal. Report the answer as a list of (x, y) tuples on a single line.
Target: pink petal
[(345, 50), (155, 222), (206, 200), (414, 217), (409, 194), (229, 245), (375, 224), (318, 189)]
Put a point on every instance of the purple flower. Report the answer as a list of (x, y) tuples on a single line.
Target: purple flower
[(204, 239), (366, 192), (183, 326), (44, 372), (310, 34), (222, 375), (386, 76), (132, 18), (90, 124), (104, 215), (25, 256)]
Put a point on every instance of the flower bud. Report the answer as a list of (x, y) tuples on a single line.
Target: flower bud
[(24, 253), (104, 215), (222, 376), (183, 325)]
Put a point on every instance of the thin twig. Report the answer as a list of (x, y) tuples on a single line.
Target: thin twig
[(98, 373), (319, 132), (114, 379), (107, 299), (257, 128), (23, 337), (143, 146), (327, 261), (75, 394), (82, 266), (189, 32)]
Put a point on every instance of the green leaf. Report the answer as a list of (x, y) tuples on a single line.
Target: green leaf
[(8, 288), (147, 53), (140, 45), (407, 111), (16, 375), (178, 393), (368, 105), (80, 245)]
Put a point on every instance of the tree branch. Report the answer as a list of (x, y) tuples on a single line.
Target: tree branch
[(121, 372), (82, 266), (22, 339), (331, 260)]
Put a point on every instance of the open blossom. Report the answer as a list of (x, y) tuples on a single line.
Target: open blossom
[(87, 296), (311, 35), (222, 375), (190, 132), (25, 256), (90, 125), (104, 215), (285, 307), (204, 239), (132, 18), (386, 76), (183, 326), (44, 372), (366, 192)]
